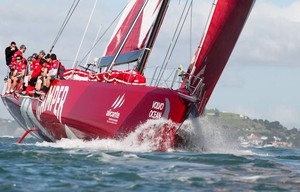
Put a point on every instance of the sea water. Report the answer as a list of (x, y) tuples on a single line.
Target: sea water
[(109, 165)]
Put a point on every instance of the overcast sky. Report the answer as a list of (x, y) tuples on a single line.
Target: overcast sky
[(260, 80)]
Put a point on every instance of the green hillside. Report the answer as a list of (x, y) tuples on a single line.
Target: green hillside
[(255, 131)]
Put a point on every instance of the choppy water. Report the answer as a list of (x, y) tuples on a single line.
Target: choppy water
[(108, 165)]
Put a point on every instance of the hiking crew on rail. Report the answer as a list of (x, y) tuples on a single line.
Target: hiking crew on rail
[(32, 76)]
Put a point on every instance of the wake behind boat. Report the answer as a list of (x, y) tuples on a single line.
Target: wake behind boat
[(108, 103)]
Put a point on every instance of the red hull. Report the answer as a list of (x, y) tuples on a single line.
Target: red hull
[(89, 110)]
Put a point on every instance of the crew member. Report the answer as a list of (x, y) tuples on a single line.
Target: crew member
[(9, 52), (19, 68)]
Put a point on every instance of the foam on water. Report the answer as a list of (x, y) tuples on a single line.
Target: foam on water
[(202, 136), (131, 143), (7, 136)]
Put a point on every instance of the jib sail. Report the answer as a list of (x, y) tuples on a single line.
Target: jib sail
[(226, 23)]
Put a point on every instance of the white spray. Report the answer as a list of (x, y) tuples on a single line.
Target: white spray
[(200, 135)]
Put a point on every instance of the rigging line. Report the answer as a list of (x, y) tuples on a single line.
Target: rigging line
[(177, 37), (98, 33), (62, 26), (84, 34), (104, 33), (191, 28), (67, 18), (167, 62), (171, 43), (170, 75)]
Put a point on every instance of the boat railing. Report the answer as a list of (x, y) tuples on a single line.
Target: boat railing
[(172, 77)]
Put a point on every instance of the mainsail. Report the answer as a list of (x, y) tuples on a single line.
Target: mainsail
[(147, 12), (227, 21)]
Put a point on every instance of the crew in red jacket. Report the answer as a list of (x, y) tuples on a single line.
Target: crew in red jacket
[(40, 56), (17, 76), (38, 72), (54, 71), (19, 53)]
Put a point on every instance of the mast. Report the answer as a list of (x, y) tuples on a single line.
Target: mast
[(147, 50)]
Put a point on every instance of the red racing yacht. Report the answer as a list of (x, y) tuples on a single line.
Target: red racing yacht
[(112, 103)]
